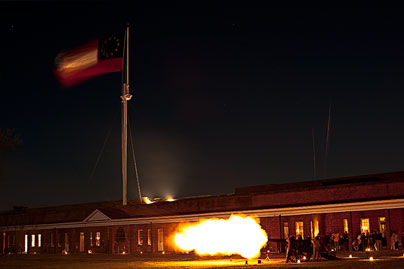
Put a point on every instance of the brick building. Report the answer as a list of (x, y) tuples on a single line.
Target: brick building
[(354, 204)]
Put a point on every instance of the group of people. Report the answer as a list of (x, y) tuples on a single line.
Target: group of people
[(338, 241), (372, 241), (394, 240), (296, 247)]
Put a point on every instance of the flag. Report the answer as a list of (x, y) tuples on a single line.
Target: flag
[(95, 58)]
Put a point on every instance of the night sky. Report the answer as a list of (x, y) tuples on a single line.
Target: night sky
[(223, 97)]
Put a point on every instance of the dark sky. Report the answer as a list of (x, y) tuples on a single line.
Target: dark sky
[(224, 96)]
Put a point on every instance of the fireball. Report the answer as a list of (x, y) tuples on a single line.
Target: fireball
[(235, 235)]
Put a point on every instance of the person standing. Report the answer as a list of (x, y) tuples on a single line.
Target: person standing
[(335, 238), (363, 243), (372, 240), (288, 241), (402, 239), (358, 238), (346, 240), (367, 244), (379, 238), (395, 241), (316, 248)]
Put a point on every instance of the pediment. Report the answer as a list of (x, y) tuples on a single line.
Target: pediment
[(96, 215)]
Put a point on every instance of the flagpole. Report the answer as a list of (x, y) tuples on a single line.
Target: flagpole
[(125, 98)]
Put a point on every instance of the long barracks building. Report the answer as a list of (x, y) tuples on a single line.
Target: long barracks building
[(354, 204)]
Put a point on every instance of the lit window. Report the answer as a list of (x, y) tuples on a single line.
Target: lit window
[(382, 224), (97, 239), (311, 229), (140, 237), (32, 240), (346, 229), (365, 227), (285, 230), (316, 228), (39, 240), (149, 237), (299, 228), (26, 243), (91, 238), (82, 241)]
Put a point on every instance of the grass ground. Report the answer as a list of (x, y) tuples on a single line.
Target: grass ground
[(385, 259)]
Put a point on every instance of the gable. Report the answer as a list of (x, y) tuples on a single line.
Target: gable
[(96, 215)]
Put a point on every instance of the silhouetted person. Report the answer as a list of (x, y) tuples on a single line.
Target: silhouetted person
[(316, 248), (289, 241), (379, 239)]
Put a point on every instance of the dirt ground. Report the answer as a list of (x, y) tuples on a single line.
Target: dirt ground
[(359, 260)]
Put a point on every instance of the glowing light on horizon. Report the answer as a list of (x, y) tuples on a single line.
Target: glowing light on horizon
[(236, 235), (146, 200)]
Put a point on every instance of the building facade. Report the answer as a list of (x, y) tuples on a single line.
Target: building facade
[(356, 204)]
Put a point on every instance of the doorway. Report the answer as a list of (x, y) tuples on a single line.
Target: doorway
[(160, 239), (82, 242), (66, 242)]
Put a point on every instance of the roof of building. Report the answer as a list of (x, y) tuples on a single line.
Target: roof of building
[(355, 180), (347, 189)]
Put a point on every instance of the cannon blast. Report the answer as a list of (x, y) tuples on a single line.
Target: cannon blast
[(236, 235)]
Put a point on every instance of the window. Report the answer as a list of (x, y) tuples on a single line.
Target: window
[(59, 239), (160, 240), (346, 229), (299, 228), (81, 241), (26, 243), (365, 227), (311, 229), (382, 224), (91, 239), (67, 245), (316, 227), (140, 237), (32, 240), (97, 239), (285, 230), (39, 240), (52, 244), (149, 237)]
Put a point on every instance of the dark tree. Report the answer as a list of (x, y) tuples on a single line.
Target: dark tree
[(9, 139)]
